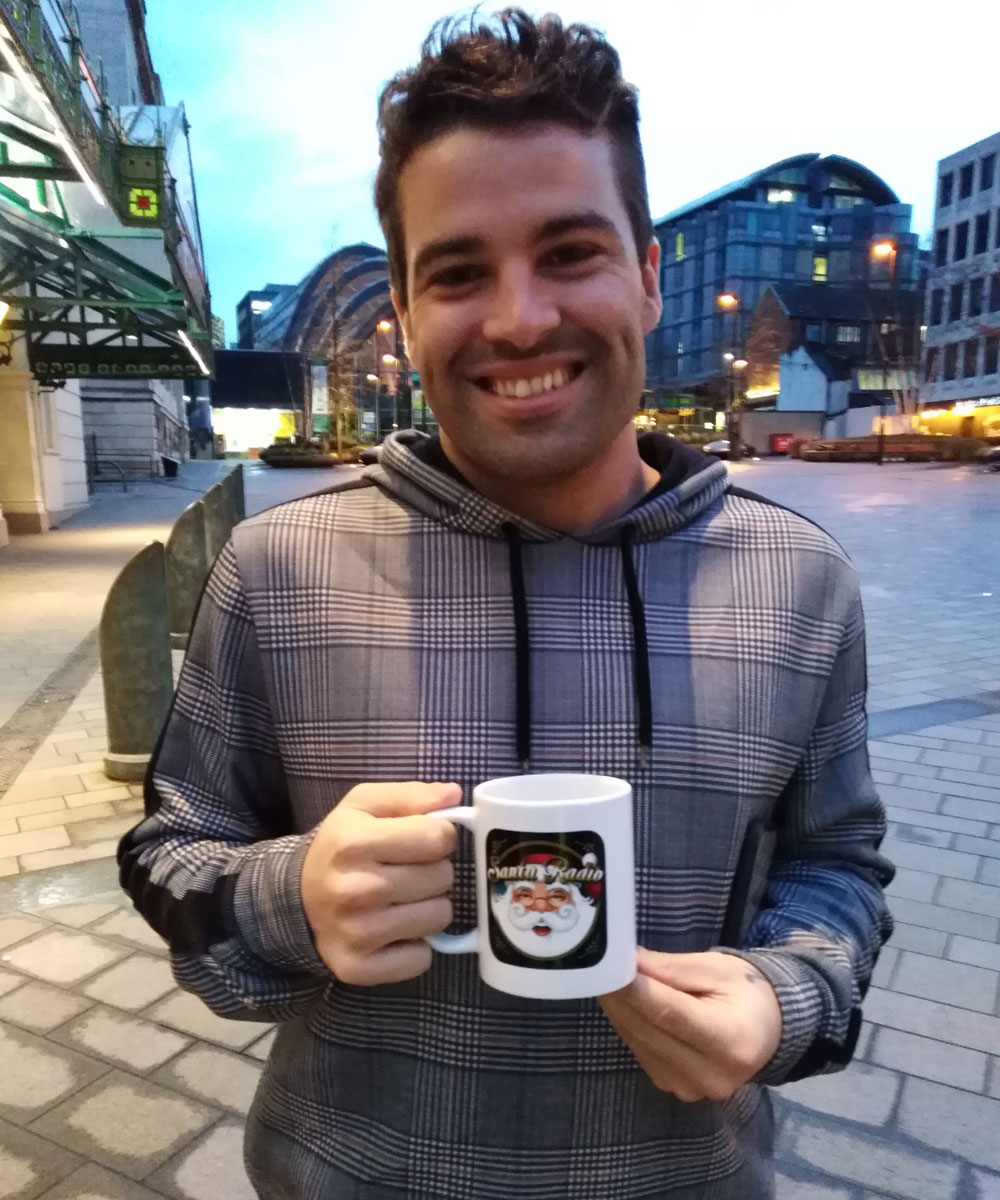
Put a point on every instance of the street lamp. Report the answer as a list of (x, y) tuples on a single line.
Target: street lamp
[(727, 301), (392, 361), (384, 326)]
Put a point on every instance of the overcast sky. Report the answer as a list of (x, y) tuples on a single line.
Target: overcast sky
[(281, 98)]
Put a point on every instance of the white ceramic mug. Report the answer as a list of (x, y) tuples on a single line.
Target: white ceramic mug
[(555, 885)]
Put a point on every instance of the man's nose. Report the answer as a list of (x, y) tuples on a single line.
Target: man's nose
[(522, 310)]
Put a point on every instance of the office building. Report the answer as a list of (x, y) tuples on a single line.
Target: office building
[(807, 219), (961, 391)]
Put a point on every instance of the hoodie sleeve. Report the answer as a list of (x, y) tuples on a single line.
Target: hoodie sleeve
[(824, 919), (214, 867)]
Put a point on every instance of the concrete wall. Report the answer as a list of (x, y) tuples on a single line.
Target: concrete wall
[(106, 33), (69, 411), (802, 386), (136, 422), (757, 427)]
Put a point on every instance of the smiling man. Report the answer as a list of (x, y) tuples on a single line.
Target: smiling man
[(538, 589)]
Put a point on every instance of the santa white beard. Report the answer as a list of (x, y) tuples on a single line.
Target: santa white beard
[(526, 929)]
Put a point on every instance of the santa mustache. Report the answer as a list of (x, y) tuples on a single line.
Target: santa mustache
[(524, 918)]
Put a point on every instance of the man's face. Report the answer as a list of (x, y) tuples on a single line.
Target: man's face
[(526, 304)]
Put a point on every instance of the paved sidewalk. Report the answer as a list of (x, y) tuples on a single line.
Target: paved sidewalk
[(917, 1116)]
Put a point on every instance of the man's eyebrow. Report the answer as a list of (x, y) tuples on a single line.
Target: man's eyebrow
[(470, 244), (445, 248), (574, 222)]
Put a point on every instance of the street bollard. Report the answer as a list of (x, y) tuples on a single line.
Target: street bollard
[(135, 663), (218, 521), (236, 487), (186, 565)]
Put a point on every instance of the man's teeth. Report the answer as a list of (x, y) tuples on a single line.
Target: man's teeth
[(531, 387)]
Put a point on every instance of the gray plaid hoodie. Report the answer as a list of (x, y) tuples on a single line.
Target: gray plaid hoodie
[(708, 646)]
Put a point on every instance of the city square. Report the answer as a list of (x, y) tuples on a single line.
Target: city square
[(914, 1117), (610, 410)]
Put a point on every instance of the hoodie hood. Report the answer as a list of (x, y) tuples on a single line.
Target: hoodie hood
[(444, 497), (690, 482)]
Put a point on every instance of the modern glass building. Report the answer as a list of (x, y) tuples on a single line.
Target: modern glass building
[(808, 219)]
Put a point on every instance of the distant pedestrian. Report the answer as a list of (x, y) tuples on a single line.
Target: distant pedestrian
[(537, 589)]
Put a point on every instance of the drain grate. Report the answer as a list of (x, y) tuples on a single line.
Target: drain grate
[(32, 723)]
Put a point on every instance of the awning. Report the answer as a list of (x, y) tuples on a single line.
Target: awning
[(88, 311)]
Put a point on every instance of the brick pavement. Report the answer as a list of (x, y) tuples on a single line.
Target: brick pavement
[(94, 1014)]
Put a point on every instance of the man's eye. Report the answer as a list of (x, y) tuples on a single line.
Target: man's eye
[(457, 276), (571, 255)]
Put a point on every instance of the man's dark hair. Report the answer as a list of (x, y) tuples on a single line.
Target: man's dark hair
[(507, 71)]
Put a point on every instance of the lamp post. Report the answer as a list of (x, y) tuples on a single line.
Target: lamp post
[(730, 302), (884, 251), (392, 362)]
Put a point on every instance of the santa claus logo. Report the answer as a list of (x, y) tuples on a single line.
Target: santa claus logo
[(546, 899)]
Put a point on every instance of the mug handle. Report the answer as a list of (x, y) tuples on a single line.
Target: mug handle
[(456, 943)]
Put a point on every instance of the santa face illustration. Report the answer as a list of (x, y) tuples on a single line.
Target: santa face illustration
[(542, 918)]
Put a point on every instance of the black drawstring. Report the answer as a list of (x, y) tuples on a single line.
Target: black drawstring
[(522, 647), (640, 648)]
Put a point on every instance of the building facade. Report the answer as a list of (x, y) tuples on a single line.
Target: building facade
[(962, 312), (251, 311), (104, 306), (807, 219)]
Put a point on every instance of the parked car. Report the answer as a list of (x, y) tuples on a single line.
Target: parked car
[(990, 458), (720, 449)]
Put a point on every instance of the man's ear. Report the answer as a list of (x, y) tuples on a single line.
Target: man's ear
[(403, 316), (652, 304)]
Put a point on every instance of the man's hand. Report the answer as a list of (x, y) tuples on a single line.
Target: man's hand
[(700, 1025), (376, 878)]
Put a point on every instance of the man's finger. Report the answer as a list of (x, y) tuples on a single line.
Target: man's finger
[(671, 1066), (404, 840), (401, 799), (676, 1014), (695, 974)]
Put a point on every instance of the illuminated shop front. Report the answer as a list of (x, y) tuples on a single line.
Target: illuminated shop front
[(965, 418), (249, 430)]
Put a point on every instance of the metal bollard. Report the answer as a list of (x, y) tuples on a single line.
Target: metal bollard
[(135, 663), (218, 521), (235, 484), (186, 566)]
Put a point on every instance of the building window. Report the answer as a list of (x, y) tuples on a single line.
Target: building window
[(970, 358), (955, 302), (987, 172), (821, 231), (995, 293), (990, 355), (931, 370), (951, 360), (976, 296), (961, 240), (941, 247), (965, 181), (937, 306), (982, 234), (819, 268), (946, 185), (679, 247), (814, 333), (780, 196), (848, 333)]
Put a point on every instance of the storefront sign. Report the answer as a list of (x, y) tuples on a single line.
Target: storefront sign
[(111, 362)]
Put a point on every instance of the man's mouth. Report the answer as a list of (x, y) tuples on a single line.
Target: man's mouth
[(541, 930), (531, 385)]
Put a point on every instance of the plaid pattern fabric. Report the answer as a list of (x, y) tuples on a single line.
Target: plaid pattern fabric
[(368, 635)]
